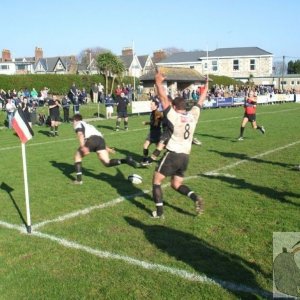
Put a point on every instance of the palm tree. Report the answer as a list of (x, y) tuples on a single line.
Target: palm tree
[(111, 66)]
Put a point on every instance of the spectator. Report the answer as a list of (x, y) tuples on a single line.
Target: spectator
[(66, 108), (95, 91), (109, 106), (10, 110), (27, 109)]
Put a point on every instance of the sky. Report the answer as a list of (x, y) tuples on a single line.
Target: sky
[(67, 27)]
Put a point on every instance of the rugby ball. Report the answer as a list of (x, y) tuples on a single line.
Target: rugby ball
[(136, 179)]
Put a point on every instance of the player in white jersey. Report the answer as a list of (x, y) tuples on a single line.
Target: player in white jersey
[(91, 140), (181, 124)]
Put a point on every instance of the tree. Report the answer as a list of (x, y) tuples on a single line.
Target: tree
[(278, 68), (171, 50), (293, 67), (111, 66), (86, 55)]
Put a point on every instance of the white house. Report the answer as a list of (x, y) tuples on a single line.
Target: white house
[(239, 63)]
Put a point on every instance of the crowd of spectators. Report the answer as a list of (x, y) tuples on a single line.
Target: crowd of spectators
[(216, 90), (11, 99)]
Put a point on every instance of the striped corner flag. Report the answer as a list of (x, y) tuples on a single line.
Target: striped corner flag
[(21, 126)]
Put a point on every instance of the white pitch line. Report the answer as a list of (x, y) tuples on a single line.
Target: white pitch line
[(61, 140), (87, 210), (258, 114), (121, 199), (144, 264)]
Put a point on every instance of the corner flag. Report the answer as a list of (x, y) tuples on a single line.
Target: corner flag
[(25, 133), (21, 126)]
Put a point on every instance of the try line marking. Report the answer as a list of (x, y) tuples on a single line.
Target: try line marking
[(118, 200)]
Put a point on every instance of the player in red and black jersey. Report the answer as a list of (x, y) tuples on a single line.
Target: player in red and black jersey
[(250, 115)]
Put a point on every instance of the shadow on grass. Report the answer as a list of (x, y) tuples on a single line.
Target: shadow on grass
[(44, 132), (105, 127), (65, 168), (242, 156), (262, 190), (137, 157), (178, 209), (9, 190), (126, 189), (231, 271), (218, 137)]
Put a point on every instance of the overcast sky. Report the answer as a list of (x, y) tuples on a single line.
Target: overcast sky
[(66, 27)]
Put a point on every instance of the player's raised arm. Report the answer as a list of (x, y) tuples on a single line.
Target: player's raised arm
[(203, 94), (160, 89)]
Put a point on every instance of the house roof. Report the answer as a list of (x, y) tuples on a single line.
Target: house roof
[(175, 74), (241, 51), (49, 63), (25, 59), (197, 56), (127, 60), (143, 60)]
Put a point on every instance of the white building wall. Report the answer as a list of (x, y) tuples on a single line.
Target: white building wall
[(7, 68)]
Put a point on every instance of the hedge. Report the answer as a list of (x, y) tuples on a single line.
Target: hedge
[(58, 84)]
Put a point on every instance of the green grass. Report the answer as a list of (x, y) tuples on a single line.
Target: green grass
[(117, 251)]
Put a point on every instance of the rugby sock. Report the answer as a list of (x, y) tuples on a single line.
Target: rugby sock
[(145, 152), (155, 154), (184, 190), (259, 128), (126, 124), (157, 196), (78, 170), (56, 130), (242, 131), (118, 125), (115, 162), (52, 130)]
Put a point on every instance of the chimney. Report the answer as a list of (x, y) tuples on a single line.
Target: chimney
[(127, 51), (38, 53), (159, 55), (6, 55)]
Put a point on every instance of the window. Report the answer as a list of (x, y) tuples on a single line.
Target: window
[(214, 65), (236, 65), (20, 67), (4, 67), (252, 64), (298, 82), (283, 82), (292, 82)]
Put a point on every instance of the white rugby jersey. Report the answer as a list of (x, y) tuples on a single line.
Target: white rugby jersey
[(87, 129), (182, 127)]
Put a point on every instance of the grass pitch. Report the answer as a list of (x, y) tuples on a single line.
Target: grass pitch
[(97, 241)]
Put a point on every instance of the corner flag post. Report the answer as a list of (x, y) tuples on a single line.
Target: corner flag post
[(25, 133), (28, 218)]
